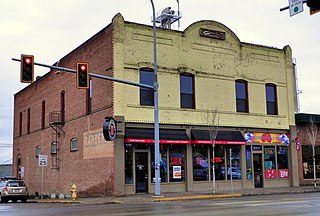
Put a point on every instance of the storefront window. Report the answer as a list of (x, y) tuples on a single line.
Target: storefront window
[(235, 170), (128, 164), (176, 160), (219, 162), (307, 162), (248, 162), (282, 159), (163, 163), (269, 162), (200, 163)]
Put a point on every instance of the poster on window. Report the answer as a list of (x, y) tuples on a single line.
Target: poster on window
[(270, 174), (283, 173), (177, 172)]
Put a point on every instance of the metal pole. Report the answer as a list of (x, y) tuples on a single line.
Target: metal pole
[(41, 182), (314, 167), (213, 170), (230, 153), (157, 191)]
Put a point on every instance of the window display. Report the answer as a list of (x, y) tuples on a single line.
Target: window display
[(307, 162), (269, 162), (200, 163)]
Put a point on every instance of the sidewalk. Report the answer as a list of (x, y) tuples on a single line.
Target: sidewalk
[(138, 198)]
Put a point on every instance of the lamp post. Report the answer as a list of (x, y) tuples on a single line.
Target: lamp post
[(156, 111)]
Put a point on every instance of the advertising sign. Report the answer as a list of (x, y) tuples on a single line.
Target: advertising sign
[(177, 172)]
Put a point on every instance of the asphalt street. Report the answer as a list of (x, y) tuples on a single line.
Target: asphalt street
[(306, 204)]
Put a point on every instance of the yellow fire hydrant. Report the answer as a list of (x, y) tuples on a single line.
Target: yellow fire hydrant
[(73, 191)]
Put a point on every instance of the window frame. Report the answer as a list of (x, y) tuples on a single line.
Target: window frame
[(146, 95), (271, 99), (89, 98), (72, 148), (242, 100), (38, 151), (28, 120), (187, 95), (54, 148), (43, 114)]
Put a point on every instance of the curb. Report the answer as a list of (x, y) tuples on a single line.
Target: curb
[(57, 201), (196, 197)]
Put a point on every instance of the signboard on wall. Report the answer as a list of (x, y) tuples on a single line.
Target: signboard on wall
[(267, 138), (95, 146)]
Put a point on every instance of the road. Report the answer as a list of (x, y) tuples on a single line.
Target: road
[(306, 204)]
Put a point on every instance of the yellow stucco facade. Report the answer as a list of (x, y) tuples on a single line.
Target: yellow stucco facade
[(215, 64)]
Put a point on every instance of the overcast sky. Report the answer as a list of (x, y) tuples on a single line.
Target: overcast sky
[(51, 29)]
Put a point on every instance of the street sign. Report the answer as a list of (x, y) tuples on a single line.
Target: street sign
[(43, 160), (295, 7)]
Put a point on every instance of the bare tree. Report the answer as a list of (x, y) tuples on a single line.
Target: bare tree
[(211, 118), (312, 131)]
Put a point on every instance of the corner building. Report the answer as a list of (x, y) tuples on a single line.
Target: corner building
[(208, 81)]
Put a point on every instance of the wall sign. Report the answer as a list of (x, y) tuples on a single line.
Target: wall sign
[(212, 34), (109, 129), (267, 138)]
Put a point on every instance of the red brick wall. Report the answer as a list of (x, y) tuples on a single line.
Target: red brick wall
[(305, 140), (87, 174)]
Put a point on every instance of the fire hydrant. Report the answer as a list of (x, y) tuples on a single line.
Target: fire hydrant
[(73, 191)]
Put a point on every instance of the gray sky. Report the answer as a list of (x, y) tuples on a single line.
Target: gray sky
[(51, 29)]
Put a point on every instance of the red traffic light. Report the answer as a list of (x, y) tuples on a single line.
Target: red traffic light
[(82, 75), (27, 60), (27, 68), (83, 67)]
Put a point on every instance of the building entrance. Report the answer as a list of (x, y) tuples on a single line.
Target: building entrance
[(141, 172), (257, 170)]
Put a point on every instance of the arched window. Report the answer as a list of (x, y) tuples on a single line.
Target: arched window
[(62, 106), (43, 115), (73, 144), (53, 148), (38, 151)]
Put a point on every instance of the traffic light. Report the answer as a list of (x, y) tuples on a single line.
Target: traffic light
[(82, 75), (26, 69), (314, 4)]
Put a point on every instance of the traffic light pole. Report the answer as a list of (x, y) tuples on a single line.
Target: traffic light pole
[(156, 112), (92, 75)]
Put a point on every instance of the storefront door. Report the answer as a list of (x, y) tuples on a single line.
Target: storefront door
[(257, 169), (141, 172)]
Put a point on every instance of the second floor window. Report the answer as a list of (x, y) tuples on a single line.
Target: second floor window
[(20, 124), (28, 120), (62, 106), (187, 91), (89, 97), (242, 96), (146, 95), (43, 115), (271, 99)]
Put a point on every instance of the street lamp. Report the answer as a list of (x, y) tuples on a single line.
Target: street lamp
[(156, 111)]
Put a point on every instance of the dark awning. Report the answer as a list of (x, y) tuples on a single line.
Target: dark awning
[(146, 135), (223, 137)]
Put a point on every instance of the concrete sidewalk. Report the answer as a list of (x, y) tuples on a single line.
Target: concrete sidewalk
[(138, 198)]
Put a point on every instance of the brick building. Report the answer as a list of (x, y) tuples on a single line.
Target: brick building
[(204, 72), (305, 149)]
